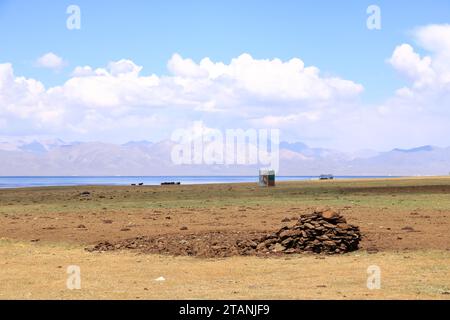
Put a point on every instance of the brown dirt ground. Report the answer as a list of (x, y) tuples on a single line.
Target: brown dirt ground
[(382, 227), (44, 230)]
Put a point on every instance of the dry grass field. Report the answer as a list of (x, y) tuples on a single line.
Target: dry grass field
[(44, 230)]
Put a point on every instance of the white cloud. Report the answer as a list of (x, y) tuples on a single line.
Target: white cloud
[(119, 100), (83, 71), (266, 79), (50, 61), (416, 114), (416, 68), (434, 38), (18, 95), (93, 99), (430, 75), (124, 68), (428, 72), (185, 67), (246, 85)]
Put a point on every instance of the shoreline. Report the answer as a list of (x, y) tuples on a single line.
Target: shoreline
[(21, 182), (225, 183)]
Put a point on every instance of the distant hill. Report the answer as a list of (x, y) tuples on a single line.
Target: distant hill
[(56, 157)]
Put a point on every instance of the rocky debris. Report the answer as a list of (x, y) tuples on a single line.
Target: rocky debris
[(372, 250), (408, 229), (320, 232)]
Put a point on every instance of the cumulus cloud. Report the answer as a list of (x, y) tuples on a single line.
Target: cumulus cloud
[(411, 64), (185, 67), (245, 88), (416, 114), (245, 85), (120, 98), (18, 94), (434, 38), (124, 67), (50, 61), (267, 79), (82, 71), (431, 71), (430, 75)]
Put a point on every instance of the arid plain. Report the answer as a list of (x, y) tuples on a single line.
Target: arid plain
[(405, 225)]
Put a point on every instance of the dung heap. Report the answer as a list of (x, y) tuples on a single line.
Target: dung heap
[(319, 232)]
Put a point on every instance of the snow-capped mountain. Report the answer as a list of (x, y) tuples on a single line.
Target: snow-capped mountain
[(57, 157)]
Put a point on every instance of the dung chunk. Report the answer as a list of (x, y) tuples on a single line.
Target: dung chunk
[(330, 215)]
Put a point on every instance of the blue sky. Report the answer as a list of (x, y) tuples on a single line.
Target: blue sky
[(329, 35)]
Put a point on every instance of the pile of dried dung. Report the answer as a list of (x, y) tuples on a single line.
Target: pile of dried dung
[(319, 232)]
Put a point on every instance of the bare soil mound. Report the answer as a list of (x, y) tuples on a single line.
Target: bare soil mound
[(319, 232), (210, 244)]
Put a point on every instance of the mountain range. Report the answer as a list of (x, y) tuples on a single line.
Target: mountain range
[(54, 157)]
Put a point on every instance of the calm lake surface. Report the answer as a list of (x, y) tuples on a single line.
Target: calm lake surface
[(41, 181)]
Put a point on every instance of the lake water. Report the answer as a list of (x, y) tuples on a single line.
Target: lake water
[(20, 182)]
